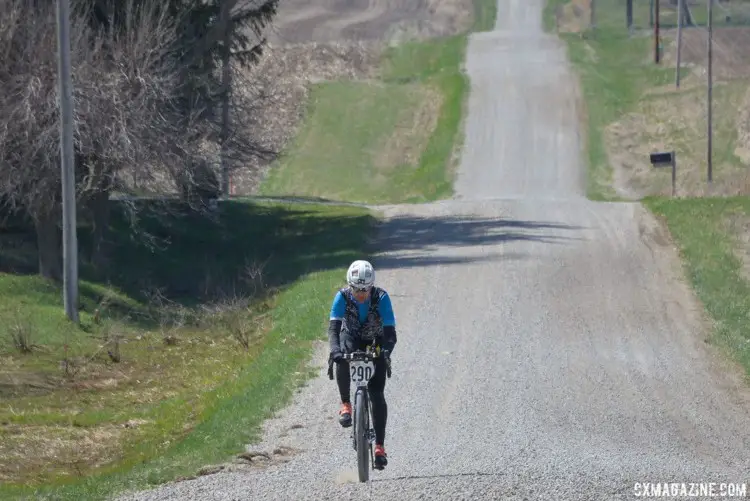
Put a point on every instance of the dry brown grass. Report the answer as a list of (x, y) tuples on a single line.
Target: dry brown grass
[(27, 450), (573, 17), (669, 118), (413, 130), (731, 53), (677, 121), (374, 20)]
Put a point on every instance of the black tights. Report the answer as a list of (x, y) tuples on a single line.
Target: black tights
[(376, 387)]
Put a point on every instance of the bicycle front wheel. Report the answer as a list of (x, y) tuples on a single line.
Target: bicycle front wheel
[(362, 417)]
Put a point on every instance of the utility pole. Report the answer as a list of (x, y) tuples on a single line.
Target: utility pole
[(651, 13), (679, 42), (592, 20), (656, 31), (70, 244), (629, 15), (710, 92)]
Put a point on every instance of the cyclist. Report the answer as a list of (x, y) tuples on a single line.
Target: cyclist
[(361, 316)]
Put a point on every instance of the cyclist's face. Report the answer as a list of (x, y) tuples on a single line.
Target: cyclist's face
[(361, 295)]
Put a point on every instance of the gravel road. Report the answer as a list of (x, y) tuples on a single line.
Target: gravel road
[(548, 345)]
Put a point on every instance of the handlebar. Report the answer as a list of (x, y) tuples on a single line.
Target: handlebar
[(364, 356)]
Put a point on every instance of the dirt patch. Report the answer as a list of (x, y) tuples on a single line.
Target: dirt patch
[(374, 20), (653, 233), (247, 461), (574, 16), (407, 142)]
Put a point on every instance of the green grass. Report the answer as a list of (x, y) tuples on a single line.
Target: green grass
[(350, 127), (548, 14), (708, 248), (485, 14), (362, 142), (197, 409)]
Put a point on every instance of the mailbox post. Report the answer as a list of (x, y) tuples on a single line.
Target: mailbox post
[(666, 159)]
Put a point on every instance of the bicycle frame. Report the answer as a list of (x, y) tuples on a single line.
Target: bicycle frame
[(363, 434)]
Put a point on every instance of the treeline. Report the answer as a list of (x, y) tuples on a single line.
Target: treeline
[(153, 102)]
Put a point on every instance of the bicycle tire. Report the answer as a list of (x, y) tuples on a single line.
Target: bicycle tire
[(361, 416), (354, 420)]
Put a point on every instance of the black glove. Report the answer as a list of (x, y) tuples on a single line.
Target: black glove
[(337, 356), (386, 354)]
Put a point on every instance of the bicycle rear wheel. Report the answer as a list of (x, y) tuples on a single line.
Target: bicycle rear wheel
[(362, 417)]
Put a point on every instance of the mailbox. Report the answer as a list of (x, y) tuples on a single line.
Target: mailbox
[(666, 159)]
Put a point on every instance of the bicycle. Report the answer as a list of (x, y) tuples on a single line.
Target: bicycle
[(361, 369)]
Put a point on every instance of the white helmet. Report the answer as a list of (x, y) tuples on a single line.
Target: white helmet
[(360, 275)]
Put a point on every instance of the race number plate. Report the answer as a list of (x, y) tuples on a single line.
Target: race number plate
[(361, 372)]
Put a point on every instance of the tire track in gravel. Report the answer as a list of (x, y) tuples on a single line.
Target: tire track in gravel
[(549, 347)]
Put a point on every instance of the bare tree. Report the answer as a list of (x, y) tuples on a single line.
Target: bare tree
[(126, 86), (148, 84), (28, 155), (130, 127), (212, 38)]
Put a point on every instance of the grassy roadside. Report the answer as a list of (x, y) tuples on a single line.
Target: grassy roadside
[(399, 132), (238, 407), (616, 72), (182, 394), (708, 233)]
